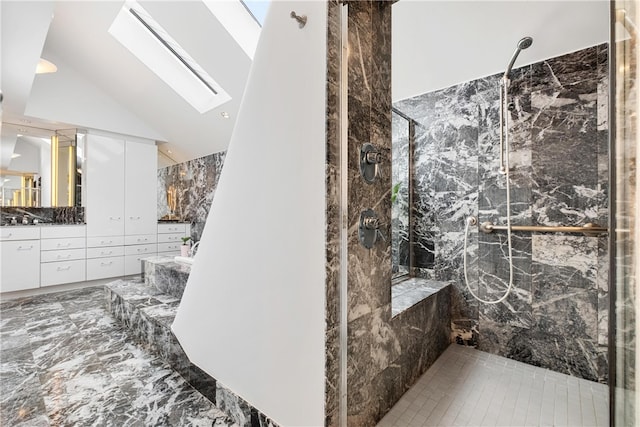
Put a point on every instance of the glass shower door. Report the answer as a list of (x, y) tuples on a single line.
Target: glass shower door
[(624, 320)]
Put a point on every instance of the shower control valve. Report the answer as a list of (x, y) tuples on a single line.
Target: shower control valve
[(373, 157), (369, 229), (370, 158)]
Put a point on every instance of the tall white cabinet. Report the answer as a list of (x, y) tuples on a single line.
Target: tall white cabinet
[(104, 175), (121, 204)]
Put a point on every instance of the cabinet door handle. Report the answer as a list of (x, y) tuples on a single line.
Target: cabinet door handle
[(106, 263), (64, 257), (102, 242), (142, 250), (60, 245), (134, 217), (64, 268), (143, 240), (106, 253), (114, 219), (20, 248)]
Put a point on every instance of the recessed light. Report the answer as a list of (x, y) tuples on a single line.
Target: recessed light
[(225, 114), (169, 151)]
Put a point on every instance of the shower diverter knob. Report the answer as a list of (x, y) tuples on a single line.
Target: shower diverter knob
[(369, 229), (370, 157)]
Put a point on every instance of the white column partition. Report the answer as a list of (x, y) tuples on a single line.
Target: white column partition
[(252, 314)]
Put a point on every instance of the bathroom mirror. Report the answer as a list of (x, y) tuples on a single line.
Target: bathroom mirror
[(41, 167)]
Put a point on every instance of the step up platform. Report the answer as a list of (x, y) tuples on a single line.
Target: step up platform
[(147, 306)]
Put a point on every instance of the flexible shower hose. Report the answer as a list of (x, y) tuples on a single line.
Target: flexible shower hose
[(472, 220)]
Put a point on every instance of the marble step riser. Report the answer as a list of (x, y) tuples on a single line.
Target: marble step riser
[(159, 339), (167, 280)]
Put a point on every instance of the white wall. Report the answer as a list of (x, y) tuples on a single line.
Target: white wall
[(437, 44), (252, 314), (51, 98)]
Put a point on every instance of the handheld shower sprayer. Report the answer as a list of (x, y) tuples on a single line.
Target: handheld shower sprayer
[(523, 43)]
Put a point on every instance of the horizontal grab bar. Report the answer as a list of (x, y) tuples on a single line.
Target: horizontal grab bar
[(587, 229)]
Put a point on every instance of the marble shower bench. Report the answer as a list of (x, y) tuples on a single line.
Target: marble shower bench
[(147, 306)]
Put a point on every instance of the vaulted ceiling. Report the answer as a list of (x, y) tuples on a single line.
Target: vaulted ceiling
[(101, 85)]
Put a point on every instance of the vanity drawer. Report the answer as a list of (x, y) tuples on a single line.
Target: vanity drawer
[(19, 233), (105, 252), (133, 264), (56, 273), (62, 231), (169, 247), (170, 238), (102, 268), (141, 239), (145, 250), (20, 263), (100, 242), (70, 243), (63, 255), (172, 228)]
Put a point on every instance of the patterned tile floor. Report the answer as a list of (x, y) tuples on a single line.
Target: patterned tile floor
[(65, 361), (467, 387)]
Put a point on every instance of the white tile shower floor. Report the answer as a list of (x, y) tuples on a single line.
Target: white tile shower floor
[(468, 387)]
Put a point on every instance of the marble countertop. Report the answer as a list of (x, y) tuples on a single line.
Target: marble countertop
[(42, 224)]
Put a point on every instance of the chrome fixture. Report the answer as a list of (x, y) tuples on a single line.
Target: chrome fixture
[(302, 19), (589, 229), (370, 157), (523, 43), (369, 228)]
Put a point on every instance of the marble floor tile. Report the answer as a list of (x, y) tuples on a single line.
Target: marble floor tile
[(66, 361)]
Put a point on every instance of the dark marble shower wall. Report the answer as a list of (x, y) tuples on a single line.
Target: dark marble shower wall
[(557, 313), (385, 355), (195, 183)]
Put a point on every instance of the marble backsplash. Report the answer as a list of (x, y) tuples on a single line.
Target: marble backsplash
[(186, 190), (60, 215), (557, 314)]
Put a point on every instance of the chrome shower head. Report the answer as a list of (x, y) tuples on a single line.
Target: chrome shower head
[(523, 43)]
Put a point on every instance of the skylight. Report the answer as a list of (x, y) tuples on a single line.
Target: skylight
[(154, 47), (257, 9), (239, 22)]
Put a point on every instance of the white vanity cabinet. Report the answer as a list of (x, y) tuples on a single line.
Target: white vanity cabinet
[(63, 254), (105, 181), (140, 192), (138, 247), (105, 257), (19, 258), (170, 237), (121, 208)]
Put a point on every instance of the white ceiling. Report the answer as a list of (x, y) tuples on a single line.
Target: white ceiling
[(100, 85), (437, 44)]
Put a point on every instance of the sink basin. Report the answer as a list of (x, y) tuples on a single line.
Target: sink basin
[(184, 259)]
